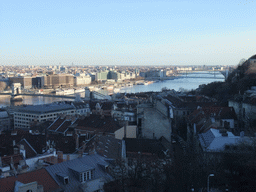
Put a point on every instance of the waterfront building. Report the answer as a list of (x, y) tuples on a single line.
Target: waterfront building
[(24, 115), (155, 74), (26, 82), (102, 76), (59, 80), (82, 79)]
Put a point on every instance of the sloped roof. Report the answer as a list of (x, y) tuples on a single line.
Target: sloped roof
[(98, 123), (41, 176), (6, 141), (212, 140), (106, 146), (56, 124), (151, 146), (213, 111), (64, 126), (30, 151), (6, 160), (91, 161)]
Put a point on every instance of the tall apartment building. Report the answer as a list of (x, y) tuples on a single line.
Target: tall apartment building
[(26, 82), (24, 115), (59, 80)]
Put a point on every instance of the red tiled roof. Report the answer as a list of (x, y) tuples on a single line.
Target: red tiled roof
[(16, 158), (41, 176), (52, 160)]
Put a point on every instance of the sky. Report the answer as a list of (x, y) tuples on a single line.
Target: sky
[(126, 32)]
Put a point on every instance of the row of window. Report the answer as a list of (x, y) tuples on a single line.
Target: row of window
[(86, 176), (21, 126), (42, 116)]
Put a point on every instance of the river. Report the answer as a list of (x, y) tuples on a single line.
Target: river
[(186, 82)]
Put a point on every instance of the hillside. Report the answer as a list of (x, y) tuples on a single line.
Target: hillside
[(240, 80)]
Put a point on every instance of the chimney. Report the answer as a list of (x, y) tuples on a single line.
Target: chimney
[(125, 128), (77, 140), (60, 154), (23, 151), (80, 152)]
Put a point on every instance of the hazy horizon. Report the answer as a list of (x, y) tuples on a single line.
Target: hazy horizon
[(142, 32)]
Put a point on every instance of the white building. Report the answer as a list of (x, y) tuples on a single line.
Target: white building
[(24, 115), (82, 79)]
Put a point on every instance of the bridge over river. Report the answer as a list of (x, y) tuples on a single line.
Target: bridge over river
[(203, 74)]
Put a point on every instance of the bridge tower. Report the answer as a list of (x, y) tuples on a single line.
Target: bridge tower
[(16, 89), (87, 92)]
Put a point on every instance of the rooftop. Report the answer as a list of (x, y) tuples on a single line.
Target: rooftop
[(47, 108), (41, 176), (80, 164)]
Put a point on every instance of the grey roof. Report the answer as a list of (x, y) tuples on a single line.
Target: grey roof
[(3, 114), (212, 140), (47, 108), (86, 162), (80, 168)]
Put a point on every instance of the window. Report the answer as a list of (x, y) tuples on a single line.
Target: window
[(86, 176), (66, 181), (92, 174)]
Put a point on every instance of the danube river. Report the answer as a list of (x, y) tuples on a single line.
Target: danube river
[(185, 82)]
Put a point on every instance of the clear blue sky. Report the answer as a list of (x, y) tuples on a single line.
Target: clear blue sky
[(132, 32)]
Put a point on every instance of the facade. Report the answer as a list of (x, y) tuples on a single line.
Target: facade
[(105, 75), (59, 80), (40, 113), (155, 74), (124, 111), (26, 82), (38, 82), (152, 124), (4, 120), (245, 109), (82, 79), (129, 131), (102, 76)]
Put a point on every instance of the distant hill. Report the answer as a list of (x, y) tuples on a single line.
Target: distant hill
[(240, 80)]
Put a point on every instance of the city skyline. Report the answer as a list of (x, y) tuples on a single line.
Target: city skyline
[(126, 32)]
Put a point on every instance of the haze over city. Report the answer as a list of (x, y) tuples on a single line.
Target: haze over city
[(130, 32)]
